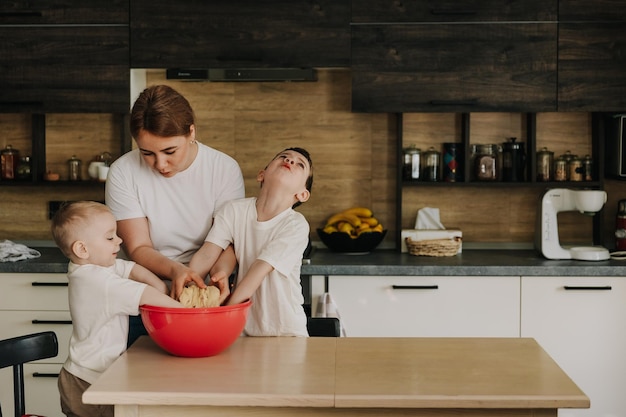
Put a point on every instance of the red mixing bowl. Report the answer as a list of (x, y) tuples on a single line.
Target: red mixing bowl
[(195, 332)]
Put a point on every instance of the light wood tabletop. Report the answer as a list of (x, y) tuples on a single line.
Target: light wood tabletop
[(283, 376)]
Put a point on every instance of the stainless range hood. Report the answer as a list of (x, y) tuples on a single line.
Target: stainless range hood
[(243, 74)]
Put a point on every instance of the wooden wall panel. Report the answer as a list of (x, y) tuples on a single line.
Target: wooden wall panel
[(354, 156)]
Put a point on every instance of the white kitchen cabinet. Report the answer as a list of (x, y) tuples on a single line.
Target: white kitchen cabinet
[(580, 322), (425, 306), (32, 303)]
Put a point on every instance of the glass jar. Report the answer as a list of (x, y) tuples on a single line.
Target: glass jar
[(560, 169), (544, 165), (411, 163), (431, 165), (587, 168), (9, 159), (575, 169), (74, 166), (23, 169), (486, 163)]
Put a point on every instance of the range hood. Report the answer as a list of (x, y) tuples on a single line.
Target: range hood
[(243, 74)]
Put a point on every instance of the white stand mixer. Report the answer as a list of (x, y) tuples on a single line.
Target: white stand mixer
[(587, 202)]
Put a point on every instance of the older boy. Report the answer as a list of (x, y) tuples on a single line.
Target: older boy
[(269, 238)]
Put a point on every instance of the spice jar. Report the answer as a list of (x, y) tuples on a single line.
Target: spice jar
[(9, 159), (587, 168), (411, 163), (486, 163), (74, 166), (431, 164), (575, 169), (560, 169), (544, 165)]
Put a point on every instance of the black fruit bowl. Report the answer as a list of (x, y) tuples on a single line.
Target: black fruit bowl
[(342, 242)]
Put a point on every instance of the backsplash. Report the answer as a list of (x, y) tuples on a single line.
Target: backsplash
[(354, 156)]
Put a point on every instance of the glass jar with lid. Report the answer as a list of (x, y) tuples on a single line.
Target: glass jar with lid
[(411, 163), (486, 163), (431, 165), (544, 165)]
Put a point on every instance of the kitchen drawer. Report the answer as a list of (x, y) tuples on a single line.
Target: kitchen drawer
[(18, 323), (405, 306), (40, 384), (33, 292)]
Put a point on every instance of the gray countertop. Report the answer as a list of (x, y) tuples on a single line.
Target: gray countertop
[(390, 262)]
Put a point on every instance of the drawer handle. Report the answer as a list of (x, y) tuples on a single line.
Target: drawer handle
[(44, 375), (37, 321), (21, 14), (415, 287), (48, 284), (585, 288)]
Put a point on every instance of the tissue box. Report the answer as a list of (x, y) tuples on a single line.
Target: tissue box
[(425, 234)]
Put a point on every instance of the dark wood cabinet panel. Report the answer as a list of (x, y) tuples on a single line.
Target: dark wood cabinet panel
[(37, 12), (454, 67), (592, 67), (372, 11), (55, 69), (592, 10), (247, 33)]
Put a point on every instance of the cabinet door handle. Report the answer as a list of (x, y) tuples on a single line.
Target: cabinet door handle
[(415, 287), (44, 375), (470, 102), (48, 284), (21, 14), (586, 288), (452, 12), (37, 321)]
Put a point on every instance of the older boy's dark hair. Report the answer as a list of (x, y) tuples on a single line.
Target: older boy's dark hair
[(309, 181)]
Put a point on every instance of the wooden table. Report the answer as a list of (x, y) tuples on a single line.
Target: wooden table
[(284, 376)]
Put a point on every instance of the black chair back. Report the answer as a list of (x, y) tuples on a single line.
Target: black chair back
[(19, 350), (323, 327)]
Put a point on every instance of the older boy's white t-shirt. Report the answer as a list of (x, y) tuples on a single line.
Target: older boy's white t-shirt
[(277, 304), (101, 299), (179, 209)]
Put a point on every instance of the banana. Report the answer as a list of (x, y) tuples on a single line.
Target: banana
[(353, 219), (359, 211), (370, 221), (377, 228), (346, 228), (330, 229)]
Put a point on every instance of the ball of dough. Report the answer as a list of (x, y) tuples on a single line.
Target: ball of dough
[(196, 297)]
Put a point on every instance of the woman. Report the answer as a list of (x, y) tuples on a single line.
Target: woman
[(164, 193)]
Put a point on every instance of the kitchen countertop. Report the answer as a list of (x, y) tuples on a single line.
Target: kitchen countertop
[(483, 262), (293, 376)]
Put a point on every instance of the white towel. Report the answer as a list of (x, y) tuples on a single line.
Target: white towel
[(11, 252), (326, 307)]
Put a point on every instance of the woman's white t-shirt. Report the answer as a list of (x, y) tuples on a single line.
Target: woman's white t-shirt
[(179, 209)]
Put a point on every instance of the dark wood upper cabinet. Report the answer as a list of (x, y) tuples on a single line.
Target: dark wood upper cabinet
[(592, 10), (58, 57), (592, 55), (246, 33), (454, 67), (38, 12), (373, 11)]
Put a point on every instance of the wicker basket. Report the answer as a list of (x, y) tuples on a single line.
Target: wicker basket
[(434, 247)]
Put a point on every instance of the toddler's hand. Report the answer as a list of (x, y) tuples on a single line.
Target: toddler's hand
[(221, 281)]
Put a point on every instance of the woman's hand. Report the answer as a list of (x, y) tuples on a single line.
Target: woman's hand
[(220, 279), (183, 277)]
